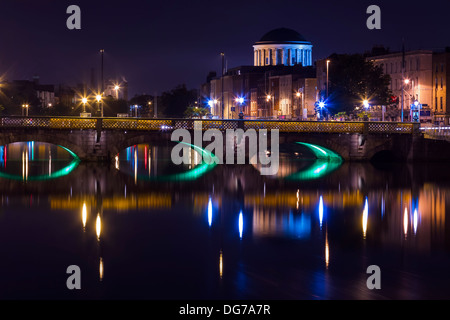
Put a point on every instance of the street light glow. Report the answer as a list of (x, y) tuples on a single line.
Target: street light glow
[(366, 103), (321, 104), (84, 100), (98, 97)]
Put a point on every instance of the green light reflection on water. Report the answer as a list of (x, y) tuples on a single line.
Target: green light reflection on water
[(209, 162), (327, 161), (57, 174)]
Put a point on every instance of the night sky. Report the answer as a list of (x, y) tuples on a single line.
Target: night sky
[(156, 45)]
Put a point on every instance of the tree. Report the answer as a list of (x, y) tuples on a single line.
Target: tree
[(196, 112), (146, 103), (353, 79), (175, 102)]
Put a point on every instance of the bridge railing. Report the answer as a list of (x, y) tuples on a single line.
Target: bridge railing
[(437, 133), (190, 124)]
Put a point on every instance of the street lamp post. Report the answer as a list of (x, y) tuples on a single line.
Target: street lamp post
[(25, 106), (328, 62), (223, 73), (271, 97), (100, 104), (116, 88)]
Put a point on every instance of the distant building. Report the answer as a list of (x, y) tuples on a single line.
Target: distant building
[(441, 78), (116, 89), (415, 79), (280, 85), (282, 47)]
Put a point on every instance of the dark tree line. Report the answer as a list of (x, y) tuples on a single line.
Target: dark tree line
[(353, 79)]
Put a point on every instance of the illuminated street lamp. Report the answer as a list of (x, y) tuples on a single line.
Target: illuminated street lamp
[(84, 101), (271, 97), (100, 104), (366, 104), (321, 107), (116, 88), (25, 106)]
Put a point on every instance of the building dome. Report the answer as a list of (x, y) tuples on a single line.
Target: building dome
[(282, 46), (282, 35)]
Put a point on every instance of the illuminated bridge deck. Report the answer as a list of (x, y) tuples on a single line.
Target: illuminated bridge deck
[(143, 124)]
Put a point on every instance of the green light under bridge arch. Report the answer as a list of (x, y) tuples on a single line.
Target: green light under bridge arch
[(321, 152)]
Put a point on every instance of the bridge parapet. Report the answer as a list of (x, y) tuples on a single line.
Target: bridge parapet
[(191, 124)]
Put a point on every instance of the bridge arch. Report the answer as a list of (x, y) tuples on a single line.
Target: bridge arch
[(130, 139)]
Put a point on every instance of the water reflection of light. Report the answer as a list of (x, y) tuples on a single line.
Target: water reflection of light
[(135, 165), (210, 212), (405, 222), (320, 211), (100, 269), (415, 218), (25, 164), (241, 224), (117, 162), (365, 217), (221, 264), (382, 206), (327, 251), (320, 169), (98, 226), (84, 215), (49, 162)]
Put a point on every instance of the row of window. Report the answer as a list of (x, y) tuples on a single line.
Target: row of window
[(396, 67)]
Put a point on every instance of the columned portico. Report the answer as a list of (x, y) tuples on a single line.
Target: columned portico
[(283, 47)]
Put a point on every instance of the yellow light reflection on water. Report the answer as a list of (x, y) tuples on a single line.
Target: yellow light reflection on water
[(117, 162), (98, 226), (100, 271), (84, 215), (25, 165), (221, 264)]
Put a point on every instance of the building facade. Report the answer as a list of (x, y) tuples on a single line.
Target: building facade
[(411, 81), (441, 77), (280, 85)]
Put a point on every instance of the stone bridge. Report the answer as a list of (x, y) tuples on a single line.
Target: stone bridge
[(100, 139)]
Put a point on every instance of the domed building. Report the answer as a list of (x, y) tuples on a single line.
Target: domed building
[(282, 46)]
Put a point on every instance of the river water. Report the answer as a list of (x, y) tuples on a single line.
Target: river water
[(143, 228)]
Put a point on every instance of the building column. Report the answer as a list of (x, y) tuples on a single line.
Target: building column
[(255, 61), (276, 56)]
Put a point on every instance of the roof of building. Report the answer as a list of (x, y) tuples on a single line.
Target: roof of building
[(281, 36)]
